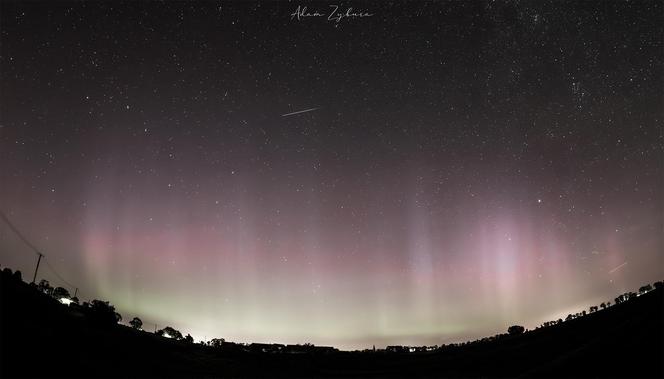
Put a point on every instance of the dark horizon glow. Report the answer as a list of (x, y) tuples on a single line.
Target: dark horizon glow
[(468, 166)]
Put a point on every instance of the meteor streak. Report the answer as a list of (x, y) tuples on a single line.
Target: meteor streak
[(298, 112), (616, 268)]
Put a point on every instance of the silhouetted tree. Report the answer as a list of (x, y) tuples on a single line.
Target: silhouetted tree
[(645, 289), (102, 312), (60, 293), (136, 323), (217, 342), (17, 276), (515, 329), (603, 305), (170, 332), (658, 284), (189, 338), (593, 308), (45, 287)]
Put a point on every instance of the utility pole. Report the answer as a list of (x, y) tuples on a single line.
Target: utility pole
[(76, 292), (37, 268), (25, 240)]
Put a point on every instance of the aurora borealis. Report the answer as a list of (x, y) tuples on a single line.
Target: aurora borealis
[(463, 166)]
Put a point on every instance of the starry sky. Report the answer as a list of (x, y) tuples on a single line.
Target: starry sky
[(460, 167)]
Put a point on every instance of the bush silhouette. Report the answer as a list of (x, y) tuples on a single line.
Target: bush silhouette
[(170, 332), (645, 289), (102, 312), (515, 329), (217, 342), (136, 323), (45, 287), (60, 293)]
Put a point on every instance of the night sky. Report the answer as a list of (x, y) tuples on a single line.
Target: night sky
[(460, 167)]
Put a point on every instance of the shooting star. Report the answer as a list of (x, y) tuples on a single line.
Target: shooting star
[(616, 268), (298, 112)]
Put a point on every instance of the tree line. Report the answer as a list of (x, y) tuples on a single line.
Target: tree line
[(103, 313)]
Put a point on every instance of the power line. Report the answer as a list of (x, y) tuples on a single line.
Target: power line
[(54, 271), (18, 233), (41, 255), (34, 248)]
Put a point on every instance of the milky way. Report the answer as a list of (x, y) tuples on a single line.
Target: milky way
[(468, 166)]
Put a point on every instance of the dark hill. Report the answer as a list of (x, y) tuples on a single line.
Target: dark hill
[(42, 338)]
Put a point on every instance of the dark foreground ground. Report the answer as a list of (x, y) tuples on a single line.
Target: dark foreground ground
[(41, 338)]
